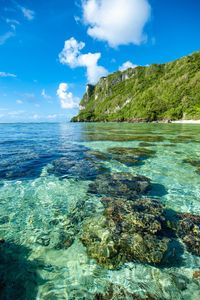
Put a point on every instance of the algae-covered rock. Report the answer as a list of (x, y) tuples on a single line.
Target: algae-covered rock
[(123, 185), (130, 156), (117, 292), (146, 144), (102, 156), (83, 169), (137, 152), (194, 163), (127, 156), (188, 229), (122, 137), (128, 231)]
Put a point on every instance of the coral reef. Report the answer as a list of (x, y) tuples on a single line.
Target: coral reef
[(128, 231), (120, 185)]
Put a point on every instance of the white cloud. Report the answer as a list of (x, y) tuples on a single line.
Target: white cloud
[(118, 22), (5, 37), (15, 113), (19, 101), (13, 23), (35, 116), (67, 100), (71, 55), (44, 95), (28, 13), (29, 95), (52, 117), (128, 64), (5, 74)]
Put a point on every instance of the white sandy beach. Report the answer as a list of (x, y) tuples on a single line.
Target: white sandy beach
[(187, 122)]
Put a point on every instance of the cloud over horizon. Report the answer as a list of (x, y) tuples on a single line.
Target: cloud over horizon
[(71, 55), (118, 22)]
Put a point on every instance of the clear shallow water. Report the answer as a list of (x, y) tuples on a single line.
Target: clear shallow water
[(43, 207)]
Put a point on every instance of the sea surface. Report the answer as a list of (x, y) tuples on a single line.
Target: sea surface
[(45, 172)]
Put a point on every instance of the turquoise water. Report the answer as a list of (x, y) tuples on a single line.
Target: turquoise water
[(45, 171)]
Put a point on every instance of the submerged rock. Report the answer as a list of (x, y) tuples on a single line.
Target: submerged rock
[(123, 137), (196, 274), (120, 293), (4, 220), (128, 231), (123, 185), (194, 163), (146, 144), (103, 156), (130, 156), (128, 161), (136, 152), (187, 228), (127, 156), (183, 139), (83, 169)]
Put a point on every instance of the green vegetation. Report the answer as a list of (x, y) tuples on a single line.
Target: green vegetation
[(158, 92)]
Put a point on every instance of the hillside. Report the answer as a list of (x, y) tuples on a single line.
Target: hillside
[(157, 92)]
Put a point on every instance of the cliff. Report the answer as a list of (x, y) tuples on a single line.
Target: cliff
[(153, 93)]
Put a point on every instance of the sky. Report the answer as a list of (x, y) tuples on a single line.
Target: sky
[(50, 50)]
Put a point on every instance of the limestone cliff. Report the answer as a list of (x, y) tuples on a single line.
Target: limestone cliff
[(156, 92)]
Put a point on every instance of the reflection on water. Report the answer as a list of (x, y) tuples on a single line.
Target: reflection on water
[(53, 178)]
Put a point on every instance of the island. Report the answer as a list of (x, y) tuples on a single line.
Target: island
[(154, 93)]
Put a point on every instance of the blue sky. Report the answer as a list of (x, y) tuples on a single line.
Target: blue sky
[(49, 50)]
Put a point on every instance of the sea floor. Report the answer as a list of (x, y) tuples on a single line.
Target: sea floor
[(52, 181)]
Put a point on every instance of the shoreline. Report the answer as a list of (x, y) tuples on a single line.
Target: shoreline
[(143, 121), (186, 122)]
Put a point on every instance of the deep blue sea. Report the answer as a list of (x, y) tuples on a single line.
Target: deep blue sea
[(46, 174)]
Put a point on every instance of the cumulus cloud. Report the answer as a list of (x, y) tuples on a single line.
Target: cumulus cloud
[(118, 22), (5, 74), (67, 100), (128, 64), (71, 55)]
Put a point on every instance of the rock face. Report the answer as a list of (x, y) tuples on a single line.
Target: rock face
[(158, 92), (128, 231)]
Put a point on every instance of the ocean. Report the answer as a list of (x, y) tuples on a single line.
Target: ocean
[(66, 192)]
